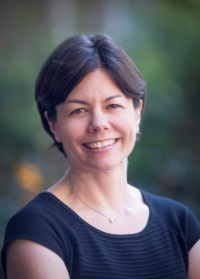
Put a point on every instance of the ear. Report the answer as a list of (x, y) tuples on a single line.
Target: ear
[(53, 127), (138, 112)]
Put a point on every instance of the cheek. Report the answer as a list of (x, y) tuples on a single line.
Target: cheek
[(71, 132), (129, 123), (66, 133), (128, 133)]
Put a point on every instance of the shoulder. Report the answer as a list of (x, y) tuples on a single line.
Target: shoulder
[(31, 216), (42, 215), (41, 221), (165, 205), (45, 206), (177, 217)]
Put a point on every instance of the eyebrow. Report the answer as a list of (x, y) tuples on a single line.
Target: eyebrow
[(86, 103), (112, 97)]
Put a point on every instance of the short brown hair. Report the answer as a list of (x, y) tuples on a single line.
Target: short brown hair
[(72, 60)]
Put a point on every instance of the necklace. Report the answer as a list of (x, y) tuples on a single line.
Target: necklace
[(111, 220)]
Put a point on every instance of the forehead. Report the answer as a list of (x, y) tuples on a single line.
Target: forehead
[(95, 84)]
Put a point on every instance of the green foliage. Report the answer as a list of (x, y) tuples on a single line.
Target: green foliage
[(167, 157)]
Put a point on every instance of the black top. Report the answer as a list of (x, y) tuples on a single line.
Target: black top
[(160, 250)]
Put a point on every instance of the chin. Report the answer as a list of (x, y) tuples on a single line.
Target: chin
[(106, 166)]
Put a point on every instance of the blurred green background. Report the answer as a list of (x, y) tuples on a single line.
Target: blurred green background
[(162, 37)]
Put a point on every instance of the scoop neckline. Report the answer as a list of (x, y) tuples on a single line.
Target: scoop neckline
[(85, 223)]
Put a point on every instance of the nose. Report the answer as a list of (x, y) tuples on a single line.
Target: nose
[(98, 123)]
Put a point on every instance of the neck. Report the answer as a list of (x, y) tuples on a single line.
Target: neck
[(99, 188)]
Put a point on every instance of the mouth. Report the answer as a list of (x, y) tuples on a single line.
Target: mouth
[(100, 144)]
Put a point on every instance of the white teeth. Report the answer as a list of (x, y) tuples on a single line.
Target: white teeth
[(100, 144)]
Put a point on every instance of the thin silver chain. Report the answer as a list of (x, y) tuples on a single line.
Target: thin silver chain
[(111, 220)]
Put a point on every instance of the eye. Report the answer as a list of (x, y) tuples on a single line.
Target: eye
[(113, 106), (78, 111)]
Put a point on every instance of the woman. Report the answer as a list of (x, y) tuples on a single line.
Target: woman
[(91, 223)]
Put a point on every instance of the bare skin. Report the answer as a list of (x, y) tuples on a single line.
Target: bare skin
[(132, 219), (194, 262)]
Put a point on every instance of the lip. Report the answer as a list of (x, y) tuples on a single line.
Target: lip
[(100, 144)]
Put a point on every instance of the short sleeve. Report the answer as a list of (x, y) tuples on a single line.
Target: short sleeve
[(192, 229), (180, 220), (35, 225)]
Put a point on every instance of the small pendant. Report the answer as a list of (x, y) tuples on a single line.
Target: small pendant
[(112, 220)]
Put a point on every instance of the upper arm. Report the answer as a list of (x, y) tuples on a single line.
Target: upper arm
[(194, 261), (29, 260)]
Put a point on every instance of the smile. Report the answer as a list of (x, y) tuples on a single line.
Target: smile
[(100, 144)]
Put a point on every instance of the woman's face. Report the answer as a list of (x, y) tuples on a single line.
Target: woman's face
[(97, 124)]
